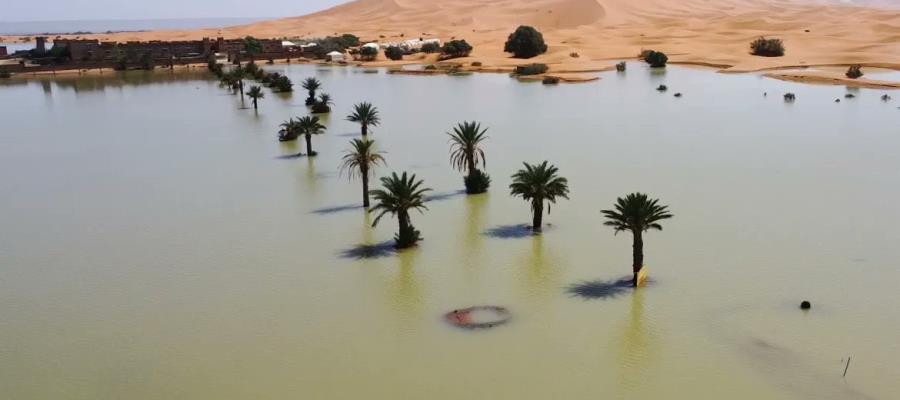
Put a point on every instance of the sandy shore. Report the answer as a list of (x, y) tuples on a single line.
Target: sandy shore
[(591, 35)]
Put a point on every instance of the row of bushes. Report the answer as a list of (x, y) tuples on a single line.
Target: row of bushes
[(451, 49)]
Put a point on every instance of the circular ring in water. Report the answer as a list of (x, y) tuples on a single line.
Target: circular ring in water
[(478, 317)]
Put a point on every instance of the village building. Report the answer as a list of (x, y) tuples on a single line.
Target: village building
[(335, 56)]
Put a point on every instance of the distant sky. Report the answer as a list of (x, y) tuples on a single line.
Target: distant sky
[(50, 10)]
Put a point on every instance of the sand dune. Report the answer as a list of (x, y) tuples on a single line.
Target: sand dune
[(704, 32)]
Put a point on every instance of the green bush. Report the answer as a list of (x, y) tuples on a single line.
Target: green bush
[(394, 53), (620, 66), (282, 84), (550, 80), (431, 47), (348, 40), (478, 182), (656, 59), (531, 69), (407, 237), (525, 42), (456, 48), (368, 53), (767, 47), (477, 64), (854, 72)]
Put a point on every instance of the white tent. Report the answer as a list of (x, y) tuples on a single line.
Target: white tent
[(334, 56), (372, 45), (285, 43)]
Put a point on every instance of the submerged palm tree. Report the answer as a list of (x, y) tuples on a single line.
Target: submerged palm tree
[(539, 183), (359, 161), (366, 115), (289, 131), (323, 104), (255, 93), (309, 125), (466, 154), (401, 194), (636, 213), (311, 85)]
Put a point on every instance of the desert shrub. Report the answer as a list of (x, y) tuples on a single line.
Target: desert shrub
[(394, 53), (550, 80), (574, 55), (477, 64), (656, 59), (430, 67), (456, 48), (431, 47), (525, 42), (620, 66), (662, 88), (478, 182), (348, 40), (531, 69), (855, 71), (368, 53), (767, 47)]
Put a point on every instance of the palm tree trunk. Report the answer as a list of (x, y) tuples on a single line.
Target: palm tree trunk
[(364, 171), (255, 107), (309, 152), (537, 208), (471, 162), (637, 255), (365, 129), (241, 86)]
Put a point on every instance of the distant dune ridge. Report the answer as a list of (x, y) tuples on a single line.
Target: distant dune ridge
[(708, 32)]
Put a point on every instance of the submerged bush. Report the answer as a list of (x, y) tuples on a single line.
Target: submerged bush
[(662, 88), (855, 71), (282, 84), (394, 53), (550, 80), (620, 66), (767, 47), (531, 69), (656, 59), (789, 97), (477, 182), (525, 42), (477, 64), (407, 237)]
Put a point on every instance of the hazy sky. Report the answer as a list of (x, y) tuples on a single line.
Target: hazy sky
[(153, 9)]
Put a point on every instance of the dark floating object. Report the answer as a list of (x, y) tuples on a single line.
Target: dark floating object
[(478, 317), (849, 96), (620, 66), (678, 94), (790, 97), (662, 88), (837, 100), (805, 305), (885, 98)]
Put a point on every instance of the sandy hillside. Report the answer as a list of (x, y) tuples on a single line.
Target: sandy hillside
[(713, 32)]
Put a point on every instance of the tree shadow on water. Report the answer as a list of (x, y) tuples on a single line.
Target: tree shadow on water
[(337, 209), (516, 231), (290, 156), (444, 196), (592, 290), (370, 251)]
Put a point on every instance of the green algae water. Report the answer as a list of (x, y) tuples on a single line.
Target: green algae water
[(157, 243)]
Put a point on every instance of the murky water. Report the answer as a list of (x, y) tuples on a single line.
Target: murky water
[(156, 244)]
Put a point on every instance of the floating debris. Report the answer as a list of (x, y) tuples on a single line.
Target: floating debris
[(837, 100), (478, 317), (849, 96)]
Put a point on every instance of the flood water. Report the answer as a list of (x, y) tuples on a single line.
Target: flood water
[(157, 244)]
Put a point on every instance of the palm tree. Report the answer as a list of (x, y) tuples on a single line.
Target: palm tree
[(290, 130), (466, 154), (359, 161), (323, 105), (401, 194), (252, 46), (636, 213), (255, 93), (365, 114), (237, 75), (311, 85), (539, 183), (309, 125)]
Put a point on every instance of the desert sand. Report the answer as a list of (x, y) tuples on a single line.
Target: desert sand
[(590, 35)]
